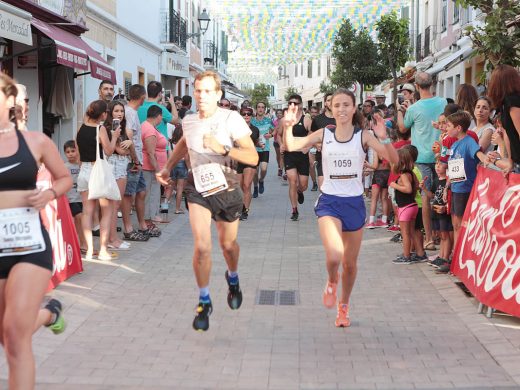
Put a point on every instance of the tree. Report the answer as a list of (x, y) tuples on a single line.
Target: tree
[(394, 44), (290, 91), (358, 58), (498, 40), (327, 87), (260, 93)]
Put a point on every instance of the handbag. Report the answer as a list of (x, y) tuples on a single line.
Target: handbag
[(102, 183)]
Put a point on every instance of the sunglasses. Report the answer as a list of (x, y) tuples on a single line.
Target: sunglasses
[(295, 103), (224, 105), (246, 114)]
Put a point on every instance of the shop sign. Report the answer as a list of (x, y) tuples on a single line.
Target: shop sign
[(173, 64), (15, 28)]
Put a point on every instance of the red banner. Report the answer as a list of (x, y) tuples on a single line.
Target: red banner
[(57, 219), (487, 253)]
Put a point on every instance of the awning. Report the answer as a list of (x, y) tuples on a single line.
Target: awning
[(69, 47), (99, 68), (16, 24), (450, 61), (74, 52)]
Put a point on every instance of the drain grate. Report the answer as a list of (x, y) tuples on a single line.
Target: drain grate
[(277, 297)]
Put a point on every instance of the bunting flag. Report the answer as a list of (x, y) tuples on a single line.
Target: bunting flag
[(273, 33)]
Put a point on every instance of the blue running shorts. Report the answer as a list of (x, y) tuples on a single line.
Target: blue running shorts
[(349, 210)]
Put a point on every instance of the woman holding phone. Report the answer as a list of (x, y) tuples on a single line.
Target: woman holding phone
[(119, 161)]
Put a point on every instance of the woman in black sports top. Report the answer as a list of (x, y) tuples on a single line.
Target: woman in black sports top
[(25, 249)]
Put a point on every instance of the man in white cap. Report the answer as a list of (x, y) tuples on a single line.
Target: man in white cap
[(380, 98), (408, 91)]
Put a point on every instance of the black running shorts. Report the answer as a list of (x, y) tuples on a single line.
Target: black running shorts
[(224, 206), (298, 161)]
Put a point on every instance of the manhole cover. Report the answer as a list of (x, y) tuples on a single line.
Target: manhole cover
[(277, 297)]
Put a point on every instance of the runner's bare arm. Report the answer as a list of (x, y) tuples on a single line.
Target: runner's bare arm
[(163, 176), (386, 150), (244, 151)]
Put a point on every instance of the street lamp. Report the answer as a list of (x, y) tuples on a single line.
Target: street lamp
[(204, 20)]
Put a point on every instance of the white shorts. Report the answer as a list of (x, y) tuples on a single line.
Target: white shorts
[(119, 165), (84, 176)]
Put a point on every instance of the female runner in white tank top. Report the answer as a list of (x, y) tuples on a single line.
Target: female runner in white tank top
[(340, 208)]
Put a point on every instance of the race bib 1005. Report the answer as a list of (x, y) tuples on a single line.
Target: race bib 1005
[(20, 232)]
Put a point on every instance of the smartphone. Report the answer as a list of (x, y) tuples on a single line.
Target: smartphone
[(400, 99), (115, 124), (167, 94)]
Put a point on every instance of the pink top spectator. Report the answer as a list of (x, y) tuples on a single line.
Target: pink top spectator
[(147, 130)]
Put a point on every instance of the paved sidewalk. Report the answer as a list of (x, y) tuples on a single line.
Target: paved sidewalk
[(129, 322)]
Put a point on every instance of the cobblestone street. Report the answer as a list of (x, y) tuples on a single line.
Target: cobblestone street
[(129, 322)]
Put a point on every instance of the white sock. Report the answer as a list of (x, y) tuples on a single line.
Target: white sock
[(372, 219), (384, 218)]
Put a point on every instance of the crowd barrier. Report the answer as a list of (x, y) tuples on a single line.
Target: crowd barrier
[(58, 221), (487, 253)]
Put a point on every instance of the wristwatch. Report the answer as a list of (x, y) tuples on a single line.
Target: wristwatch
[(227, 149)]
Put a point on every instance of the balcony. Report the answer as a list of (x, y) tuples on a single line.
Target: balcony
[(427, 41), (418, 48), (173, 29), (209, 51)]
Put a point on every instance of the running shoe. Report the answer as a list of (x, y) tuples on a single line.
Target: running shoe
[(370, 225), (280, 172), (393, 229), (261, 187), (255, 192), (301, 198), (343, 317), (380, 224), (201, 320), (397, 238), (284, 176), (330, 294), (439, 262), (58, 325), (234, 297), (418, 259), (443, 269), (294, 216), (314, 187), (402, 260), (244, 215)]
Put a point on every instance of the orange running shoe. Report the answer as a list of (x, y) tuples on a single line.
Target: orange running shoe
[(329, 294), (342, 319)]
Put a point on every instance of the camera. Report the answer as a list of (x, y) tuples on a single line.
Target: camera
[(167, 94), (115, 124)]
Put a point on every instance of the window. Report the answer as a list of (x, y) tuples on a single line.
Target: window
[(301, 69), (319, 67), (127, 82), (328, 66), (140, 75), (444, 16), (456, 13), (309, 69), (295, 70)]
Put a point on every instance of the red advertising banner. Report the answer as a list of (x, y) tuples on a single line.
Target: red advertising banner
[(487, 252), (57, 219)]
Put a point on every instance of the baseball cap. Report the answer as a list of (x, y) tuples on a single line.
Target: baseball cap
[(408, 87), (380, 95)]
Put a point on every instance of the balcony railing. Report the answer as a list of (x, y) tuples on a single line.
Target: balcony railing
[(173, 29), (427, 41)]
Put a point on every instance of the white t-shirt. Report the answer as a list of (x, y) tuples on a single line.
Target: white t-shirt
[(227, 127), (73, 195), (132, 122)]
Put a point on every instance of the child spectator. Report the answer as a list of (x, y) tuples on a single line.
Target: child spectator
[(73, 196), (441, 221), (405, 189), (464, 156)]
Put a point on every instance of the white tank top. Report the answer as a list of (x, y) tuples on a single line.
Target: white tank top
[(342, 164)]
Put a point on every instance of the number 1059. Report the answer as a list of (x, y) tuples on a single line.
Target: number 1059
[(342, 163)]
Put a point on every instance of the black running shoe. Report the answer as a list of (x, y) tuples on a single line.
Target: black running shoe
[(397, 238), (58, 325), (201, 320), (260, 187), (244, 215), (255, 192), (314, 187), (301, 198), (294, 216), (234, 297)]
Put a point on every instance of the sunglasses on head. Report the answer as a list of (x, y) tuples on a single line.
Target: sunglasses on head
[(295, 103)]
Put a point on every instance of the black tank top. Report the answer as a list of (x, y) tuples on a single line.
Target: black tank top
[(19, 171), (403, 199), (86, 140), (299, 129)]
